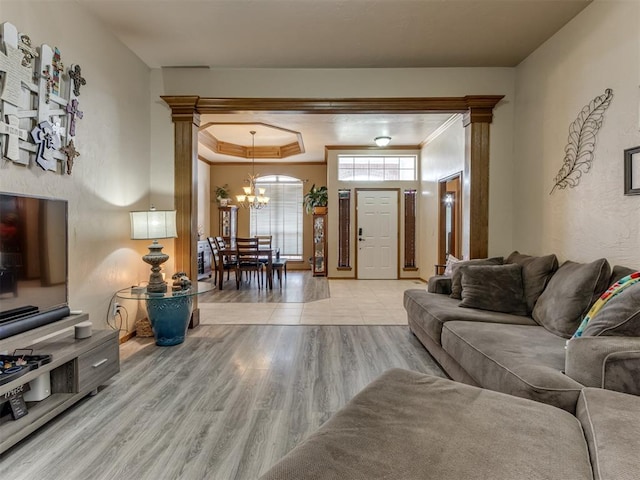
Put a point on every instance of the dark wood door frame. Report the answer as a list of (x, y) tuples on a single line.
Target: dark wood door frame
[(477, 113), (457, 217)]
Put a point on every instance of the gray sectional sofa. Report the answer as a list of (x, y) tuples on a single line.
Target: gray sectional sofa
[(410, 426), (507, 326)]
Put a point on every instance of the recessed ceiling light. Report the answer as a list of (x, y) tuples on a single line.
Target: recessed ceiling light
[(382, 141)]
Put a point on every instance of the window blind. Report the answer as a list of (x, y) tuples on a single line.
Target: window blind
[(282, 218)]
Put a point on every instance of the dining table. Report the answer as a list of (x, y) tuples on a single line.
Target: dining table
[(231, 251)]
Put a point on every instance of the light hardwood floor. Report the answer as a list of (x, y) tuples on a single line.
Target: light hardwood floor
[(225, 405)]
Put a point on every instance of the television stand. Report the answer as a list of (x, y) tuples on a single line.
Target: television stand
[(78, 367)]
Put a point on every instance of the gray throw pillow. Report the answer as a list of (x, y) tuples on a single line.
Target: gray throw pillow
[(536, 272), (569, 295), (618, 272), (456, 277), (619, 317), (498, 288)]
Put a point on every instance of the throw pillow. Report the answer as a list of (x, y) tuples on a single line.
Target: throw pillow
[(617, 311), (536, 272), (456, 276), (498, 288), (618, 272), (569, 295), (451, 261)]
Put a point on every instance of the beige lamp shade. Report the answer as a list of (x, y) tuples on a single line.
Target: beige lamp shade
[(153, 224)]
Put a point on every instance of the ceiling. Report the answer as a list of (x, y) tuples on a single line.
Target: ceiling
[(318, 131), (333, 34)]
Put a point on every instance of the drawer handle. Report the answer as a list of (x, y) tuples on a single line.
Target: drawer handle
[(96, 365)]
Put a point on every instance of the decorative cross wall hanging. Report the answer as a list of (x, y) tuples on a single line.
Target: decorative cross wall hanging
[(71, 153), (15, 75), (28, 51), (39, 108), (46, 74), (75, 73), (74, 112), (58, 69), (14, 133), (44, 138)]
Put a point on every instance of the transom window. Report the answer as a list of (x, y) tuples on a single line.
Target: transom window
[(282, 218), (376, 168)]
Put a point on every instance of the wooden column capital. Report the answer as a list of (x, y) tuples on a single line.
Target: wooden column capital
[(183, 108), (480, 108)]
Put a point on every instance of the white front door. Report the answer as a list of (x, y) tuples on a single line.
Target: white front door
[(377, 234)]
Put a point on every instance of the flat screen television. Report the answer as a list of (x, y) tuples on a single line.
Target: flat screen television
[(33, 262)]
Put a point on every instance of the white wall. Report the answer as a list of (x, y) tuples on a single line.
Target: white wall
[(351, 83), (204, 199), (598, 49), (111, 176), (442, 157)]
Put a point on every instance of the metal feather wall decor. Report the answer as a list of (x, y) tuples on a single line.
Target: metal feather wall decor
[(578, 154)]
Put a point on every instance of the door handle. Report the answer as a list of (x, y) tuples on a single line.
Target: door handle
[(361, 239)]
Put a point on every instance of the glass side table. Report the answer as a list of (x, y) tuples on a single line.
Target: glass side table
[(169, 313)]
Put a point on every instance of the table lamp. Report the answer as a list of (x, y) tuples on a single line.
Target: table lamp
[(152, 225)]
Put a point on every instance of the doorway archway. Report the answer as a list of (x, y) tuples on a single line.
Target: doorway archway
[(477, 113)]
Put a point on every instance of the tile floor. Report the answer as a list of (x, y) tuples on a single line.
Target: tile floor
[(351, 302)]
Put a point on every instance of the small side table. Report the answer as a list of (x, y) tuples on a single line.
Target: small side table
[(170, 312)]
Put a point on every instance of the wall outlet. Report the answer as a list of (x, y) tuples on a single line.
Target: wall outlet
[(116, 306)]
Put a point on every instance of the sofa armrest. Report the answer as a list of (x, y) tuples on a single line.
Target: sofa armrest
[(439, 284), (622, 372), (605, 362)]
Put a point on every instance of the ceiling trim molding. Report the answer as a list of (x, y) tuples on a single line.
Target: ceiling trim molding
[(211, 142), (245, 164), (483, 104), (441, 129)]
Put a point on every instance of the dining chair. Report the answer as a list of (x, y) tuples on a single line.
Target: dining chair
[(221, 264), (248, 259), (278, 266), (264, 241)]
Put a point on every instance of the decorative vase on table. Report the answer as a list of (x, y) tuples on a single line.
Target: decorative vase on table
[(169, 317)]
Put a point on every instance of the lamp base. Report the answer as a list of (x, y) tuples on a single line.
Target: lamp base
[(155, 258)]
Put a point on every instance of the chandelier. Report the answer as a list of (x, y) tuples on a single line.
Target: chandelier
[(253, 197)]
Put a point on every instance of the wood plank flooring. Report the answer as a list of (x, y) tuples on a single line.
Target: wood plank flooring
[(298, 287), (225, 405)]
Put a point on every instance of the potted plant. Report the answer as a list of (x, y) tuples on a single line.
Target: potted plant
[(222, 195), (315, 200)]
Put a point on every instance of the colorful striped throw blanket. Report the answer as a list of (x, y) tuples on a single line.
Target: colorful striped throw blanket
[(611, 292)]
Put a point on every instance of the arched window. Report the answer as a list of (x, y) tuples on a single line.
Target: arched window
[(282, 218)]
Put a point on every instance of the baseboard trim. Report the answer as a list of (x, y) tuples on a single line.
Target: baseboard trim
[(127, 337)]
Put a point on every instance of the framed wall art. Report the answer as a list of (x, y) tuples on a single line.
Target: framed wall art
[(632, 171)]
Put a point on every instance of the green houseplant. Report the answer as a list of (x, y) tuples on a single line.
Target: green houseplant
[(315, 200), (222, 195)]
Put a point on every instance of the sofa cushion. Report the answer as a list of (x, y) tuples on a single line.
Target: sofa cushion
[(410, 426), (456, 276), (618, 272), (448, 268), (619, 314), (439, 284), (536, 272), (611, 423), (569, 295), (431, 311), (526, 361), (493, 287)]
